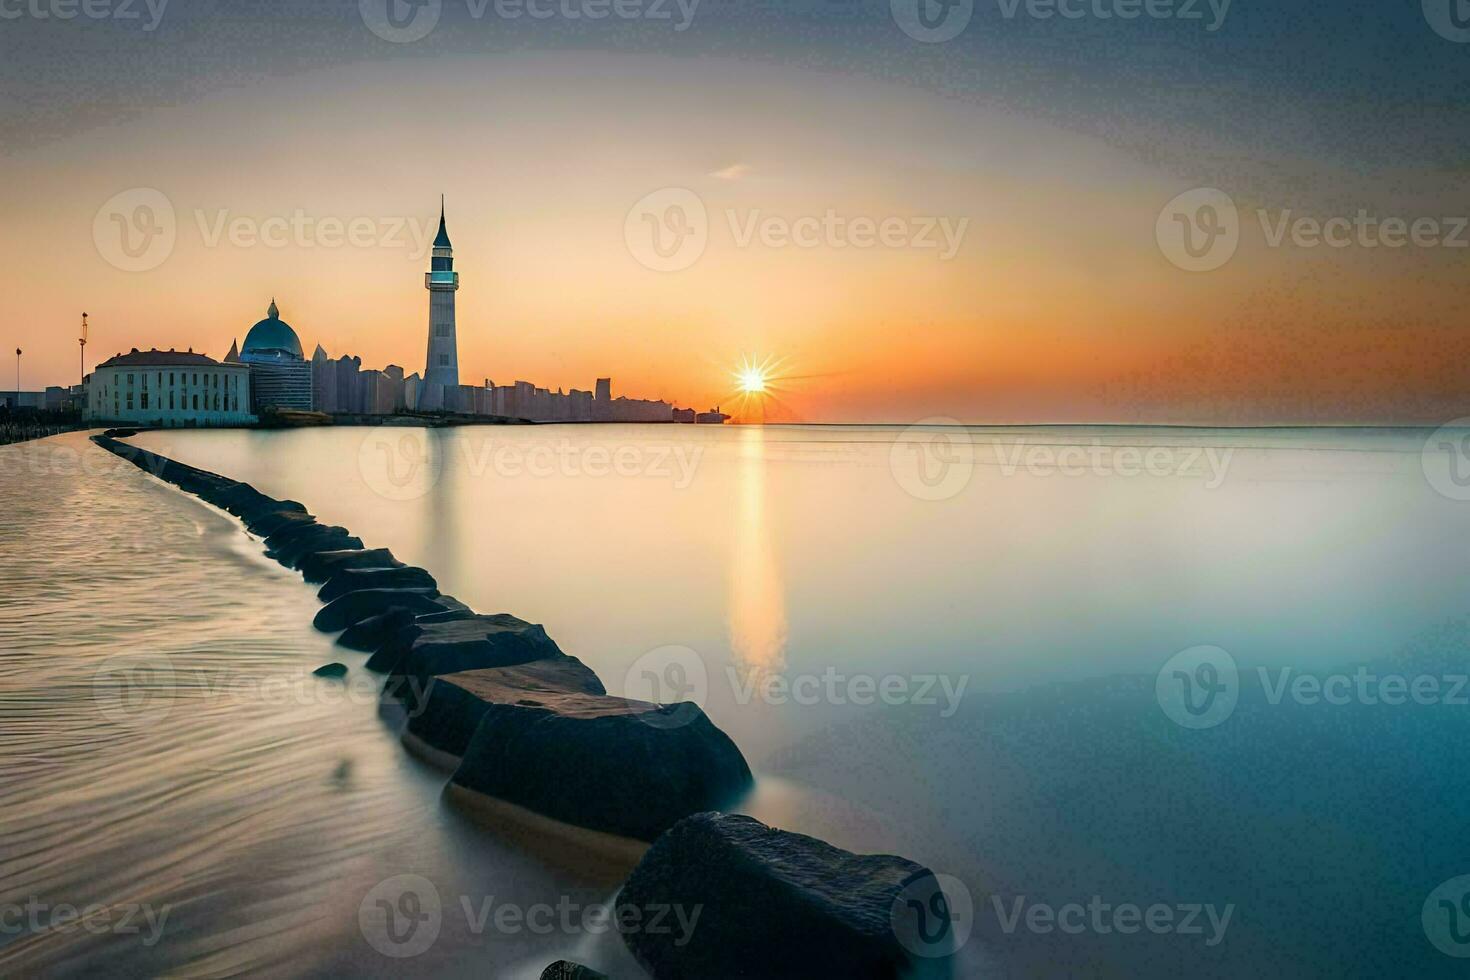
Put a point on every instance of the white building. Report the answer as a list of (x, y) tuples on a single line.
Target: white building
[(168, 388)]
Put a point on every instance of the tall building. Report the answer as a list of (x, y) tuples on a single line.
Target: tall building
[(280, 376), (442, 365)]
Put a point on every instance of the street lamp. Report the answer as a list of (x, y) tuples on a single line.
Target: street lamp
[(83, 342)]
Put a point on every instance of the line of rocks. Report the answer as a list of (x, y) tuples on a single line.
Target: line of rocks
[(495, 699)]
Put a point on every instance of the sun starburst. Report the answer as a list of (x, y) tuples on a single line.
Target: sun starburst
[(757, 386)]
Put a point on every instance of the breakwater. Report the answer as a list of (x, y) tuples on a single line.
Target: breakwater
[(524, 725)]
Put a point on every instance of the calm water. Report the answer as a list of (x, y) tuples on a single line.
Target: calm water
[(1014, 594)]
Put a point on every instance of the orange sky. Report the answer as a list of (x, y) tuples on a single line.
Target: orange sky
[(1058, 303)]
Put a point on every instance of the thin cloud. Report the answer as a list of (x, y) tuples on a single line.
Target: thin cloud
[(734, 171)]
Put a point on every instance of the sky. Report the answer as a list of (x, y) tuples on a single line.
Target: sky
[(1243, 213)]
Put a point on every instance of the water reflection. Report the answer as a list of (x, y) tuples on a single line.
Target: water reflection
[(757, 599)]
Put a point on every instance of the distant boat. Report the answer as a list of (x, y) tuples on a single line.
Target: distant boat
[(716, 417)]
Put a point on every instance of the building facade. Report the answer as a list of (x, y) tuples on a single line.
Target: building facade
[(441, 366), (280, 377), (168, 388)]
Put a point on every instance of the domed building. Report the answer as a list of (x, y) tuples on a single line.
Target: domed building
[(280, 376)]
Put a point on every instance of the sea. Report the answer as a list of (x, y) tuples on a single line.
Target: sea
[(1151, 701)]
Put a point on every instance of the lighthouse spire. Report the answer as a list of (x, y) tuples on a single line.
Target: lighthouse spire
[(442, 239)]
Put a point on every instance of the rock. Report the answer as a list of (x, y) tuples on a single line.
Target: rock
[(195, 481), (567, 970), (354, 579), (471, 642), (777, 904), (331, 670), (354, 607), (446, 714), (373, 632), (609, 764), (323, 565), (271, 521), (309, 539), (453, 610), (244, 501)]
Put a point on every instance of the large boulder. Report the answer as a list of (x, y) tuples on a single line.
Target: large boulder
[(323, 565), (354, 607), (371, 633), (274, 520), (244, 501), (778, 904), (195, 481), (395, 623), (453, 610), (309, 539), (446, 712), (471, 642), (603, 763), (355, 579)]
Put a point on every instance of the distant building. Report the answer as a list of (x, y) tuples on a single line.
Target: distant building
[(22, 399), (280, 377), (168, 388)]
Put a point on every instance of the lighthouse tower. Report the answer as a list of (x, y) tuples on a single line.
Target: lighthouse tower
[(442, 365)]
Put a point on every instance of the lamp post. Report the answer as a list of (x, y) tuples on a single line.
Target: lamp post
[(17, 377), (82, 341)]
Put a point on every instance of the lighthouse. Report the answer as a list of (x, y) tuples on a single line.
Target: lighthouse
[(442, 364)]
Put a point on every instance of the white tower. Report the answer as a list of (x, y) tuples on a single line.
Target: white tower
[(442, 365)]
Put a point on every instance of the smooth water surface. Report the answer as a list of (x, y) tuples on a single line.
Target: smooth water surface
[(949, 644)]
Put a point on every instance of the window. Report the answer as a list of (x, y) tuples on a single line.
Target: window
[(145, 399), (443, 360), (196, 403), (170, 399), (130, 381), (196, 378), (170, 377)]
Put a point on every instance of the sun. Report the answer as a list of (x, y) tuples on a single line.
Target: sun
[(760, 384), (752, 380)]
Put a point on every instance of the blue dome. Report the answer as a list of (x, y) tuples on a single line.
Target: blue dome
[(272, 337)]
